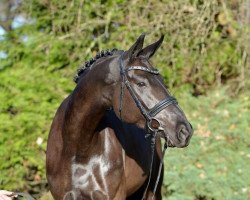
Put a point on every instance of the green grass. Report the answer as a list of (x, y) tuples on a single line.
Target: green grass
[(216, 163)]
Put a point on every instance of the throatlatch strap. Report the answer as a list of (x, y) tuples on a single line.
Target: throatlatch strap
[(121, 98)]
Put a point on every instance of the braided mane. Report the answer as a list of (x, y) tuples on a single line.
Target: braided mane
[(90, 62)]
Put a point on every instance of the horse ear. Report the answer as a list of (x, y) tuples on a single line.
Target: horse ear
[(136, 47), (150, 50)]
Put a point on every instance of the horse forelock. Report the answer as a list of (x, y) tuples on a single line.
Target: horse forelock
[(90, 62)]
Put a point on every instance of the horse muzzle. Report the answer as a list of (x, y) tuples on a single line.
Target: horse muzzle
[(181, 138)]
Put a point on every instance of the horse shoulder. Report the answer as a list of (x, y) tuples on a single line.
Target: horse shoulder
[(55, 142)]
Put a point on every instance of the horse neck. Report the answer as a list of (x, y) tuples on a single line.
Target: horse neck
[(86, 108)]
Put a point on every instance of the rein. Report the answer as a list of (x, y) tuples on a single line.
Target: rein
[(148, 114)]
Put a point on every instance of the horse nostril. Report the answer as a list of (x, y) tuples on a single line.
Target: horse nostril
[(183, 133)]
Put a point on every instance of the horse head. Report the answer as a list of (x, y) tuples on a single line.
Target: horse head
[(140, 96)]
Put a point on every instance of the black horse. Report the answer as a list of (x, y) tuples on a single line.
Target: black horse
[(97, 147)]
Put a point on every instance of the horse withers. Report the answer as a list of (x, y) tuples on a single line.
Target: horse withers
[(97, 147)]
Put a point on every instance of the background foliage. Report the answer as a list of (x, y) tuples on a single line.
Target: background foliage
[(204, 60)]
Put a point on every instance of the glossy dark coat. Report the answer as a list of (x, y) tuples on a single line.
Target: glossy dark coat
[(91, 153)]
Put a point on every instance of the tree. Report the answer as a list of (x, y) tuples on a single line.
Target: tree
[(8, 11)]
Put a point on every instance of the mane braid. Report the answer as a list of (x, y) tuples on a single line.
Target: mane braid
[(90, 62)]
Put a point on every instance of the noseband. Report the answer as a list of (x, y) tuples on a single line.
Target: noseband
[(148, 114)]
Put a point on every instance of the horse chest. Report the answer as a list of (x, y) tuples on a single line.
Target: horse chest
[(99, 178), (90, 175)]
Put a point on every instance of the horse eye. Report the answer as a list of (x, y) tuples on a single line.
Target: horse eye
[(141, 84)]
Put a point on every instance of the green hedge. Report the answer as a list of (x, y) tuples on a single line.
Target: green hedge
[(29, 99), (204, 46)]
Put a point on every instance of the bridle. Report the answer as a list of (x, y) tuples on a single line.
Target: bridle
[(151, 113), (148, 114)]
